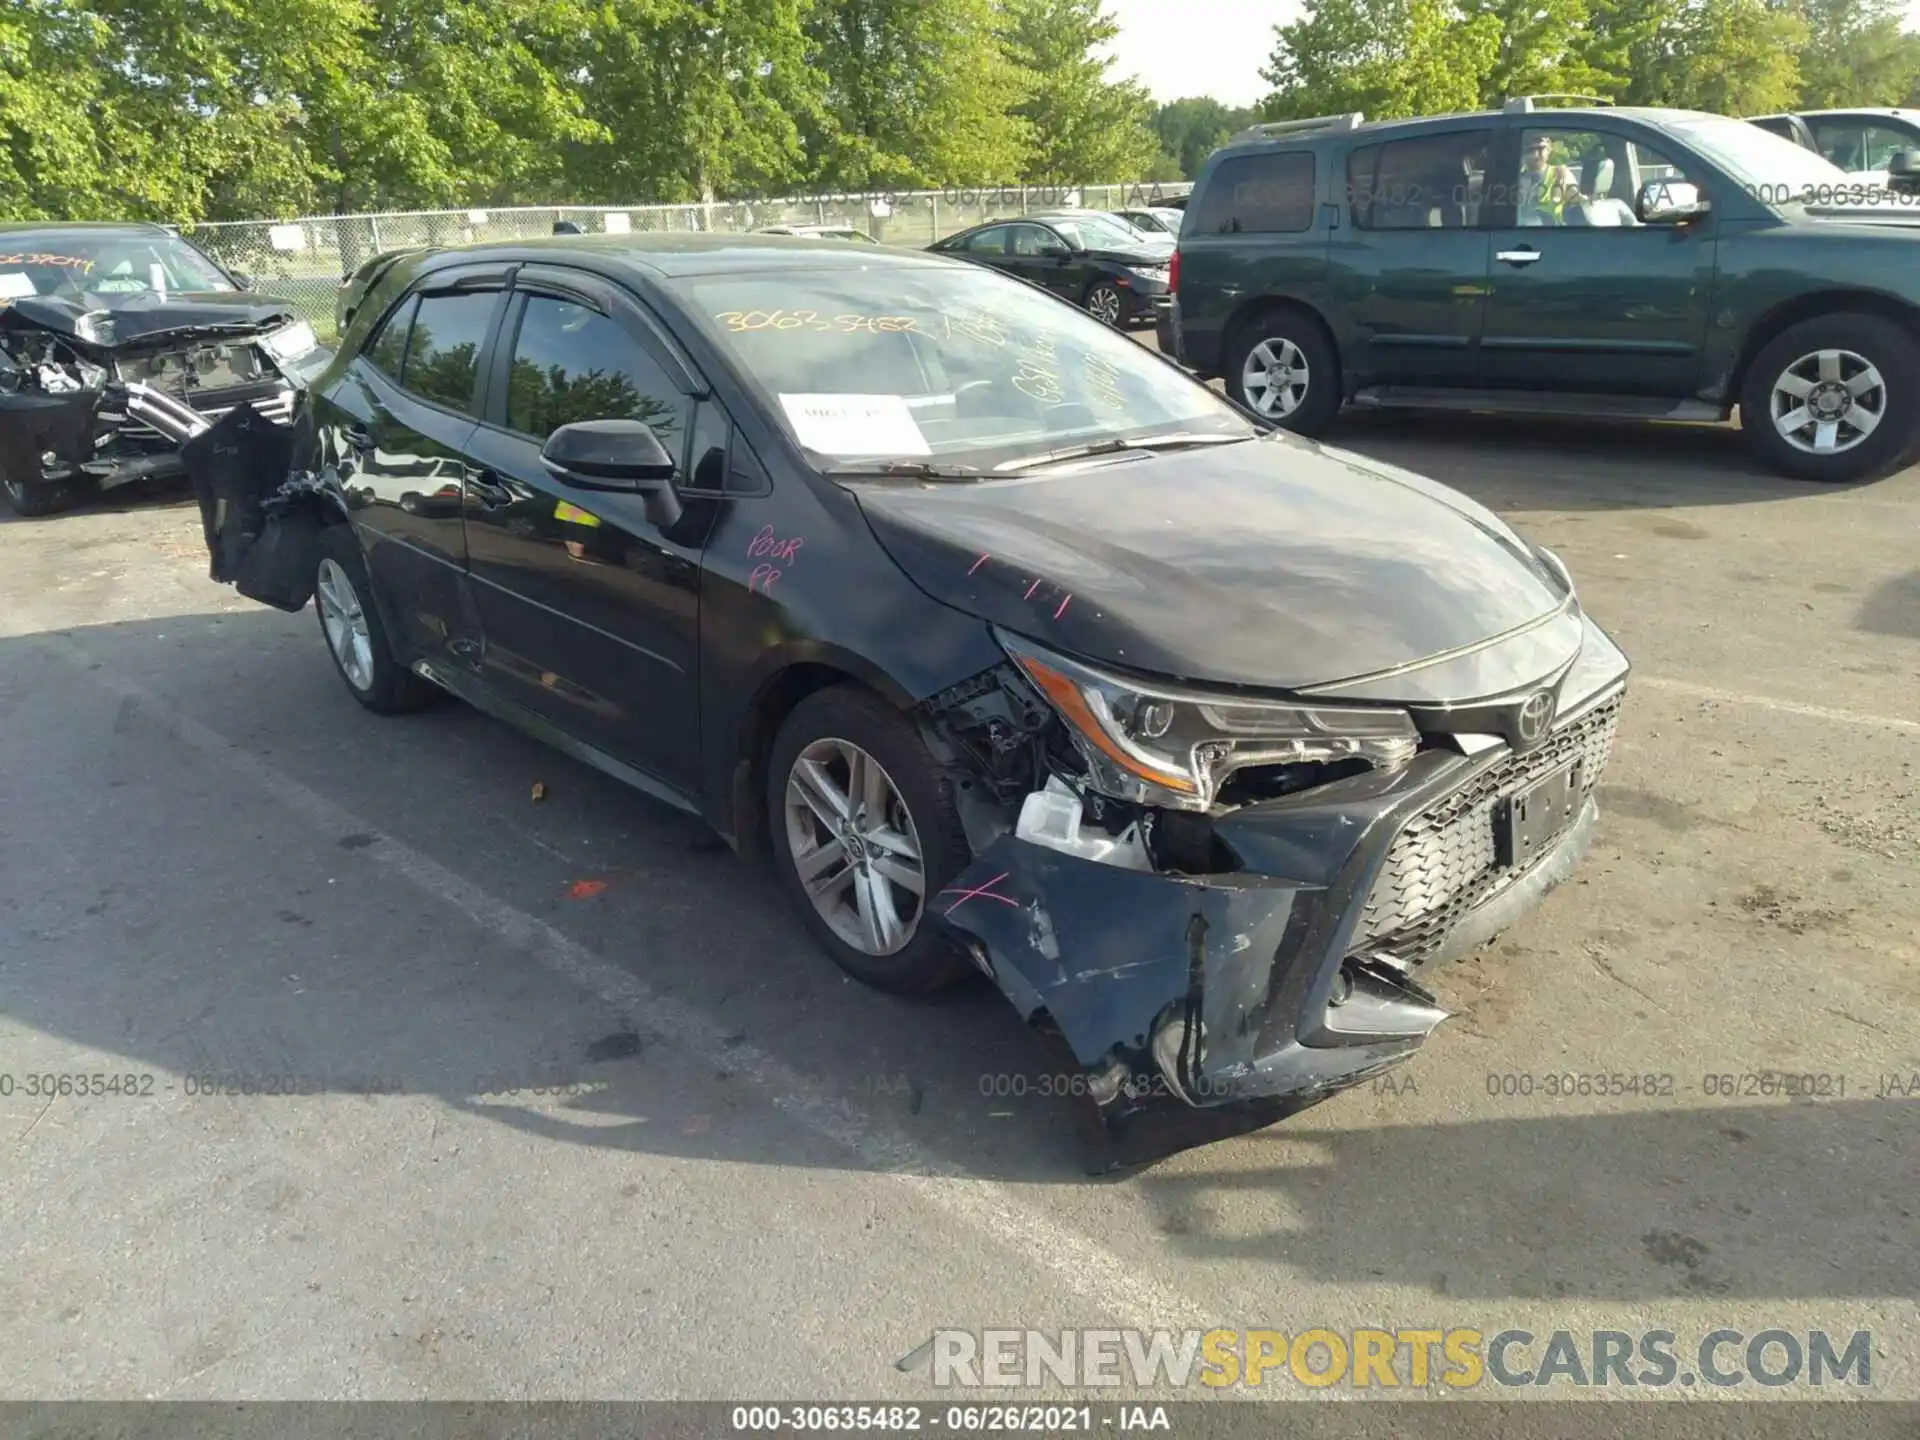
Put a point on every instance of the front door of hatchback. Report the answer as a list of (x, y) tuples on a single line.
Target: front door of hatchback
[(590, 609)]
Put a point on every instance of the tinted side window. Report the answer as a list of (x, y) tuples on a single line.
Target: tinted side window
[(443, 352), (1430, 182), (988, 242), (389, 343), (1259, 194), (571, 363)]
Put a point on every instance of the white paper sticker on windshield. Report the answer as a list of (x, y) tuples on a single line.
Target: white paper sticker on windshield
[(16, 285), (855, 424)]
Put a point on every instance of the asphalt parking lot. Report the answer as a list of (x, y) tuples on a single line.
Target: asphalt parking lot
[(757, 1178)]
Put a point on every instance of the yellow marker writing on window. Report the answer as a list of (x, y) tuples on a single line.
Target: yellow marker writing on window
[(564, 511)]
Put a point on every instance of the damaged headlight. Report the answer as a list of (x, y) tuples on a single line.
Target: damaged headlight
[(290, 342), (1159, 745)]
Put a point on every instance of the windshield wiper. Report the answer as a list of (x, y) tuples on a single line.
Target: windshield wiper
[(906, 469), (1115, 447)]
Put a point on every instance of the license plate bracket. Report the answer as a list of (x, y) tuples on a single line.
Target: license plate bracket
[(1528, 820)]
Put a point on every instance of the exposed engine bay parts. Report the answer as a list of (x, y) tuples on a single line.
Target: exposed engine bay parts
[(1257, 953), (93, 308)]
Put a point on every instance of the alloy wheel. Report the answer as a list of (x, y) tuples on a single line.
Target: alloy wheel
[(1103, 303), (1275, 378), (854, 846), (1828, 401), (344, 619)]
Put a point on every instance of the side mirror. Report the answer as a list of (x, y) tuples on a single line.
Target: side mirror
[(619, 455), (1903, 171), (1669, 202)]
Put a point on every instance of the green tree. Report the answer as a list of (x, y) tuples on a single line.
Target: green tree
[(1083, 127), (693, 99), (445, 102), (1386, 57), (1539, 49), (1857, 53), (1192, 128), (916, 94), (1735, 57)]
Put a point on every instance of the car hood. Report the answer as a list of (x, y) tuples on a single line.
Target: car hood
[(111, 320), (1276, 563), (1144, 255)]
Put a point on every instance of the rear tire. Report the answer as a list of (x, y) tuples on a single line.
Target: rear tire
[(1281, 365), (897, 793), (1834, 399), (355, 637)]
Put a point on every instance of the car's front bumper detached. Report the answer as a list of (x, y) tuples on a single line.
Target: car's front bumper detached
[(1294, 973)]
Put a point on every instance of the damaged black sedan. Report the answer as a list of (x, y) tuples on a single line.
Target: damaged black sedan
[(89, 310), (1016, 648)]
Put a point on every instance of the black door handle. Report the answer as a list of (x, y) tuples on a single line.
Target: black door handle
[(487, 491)]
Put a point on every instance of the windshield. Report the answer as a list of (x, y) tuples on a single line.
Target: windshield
[(72, 263), (957, 365), (1771, 169), (1100, 232)]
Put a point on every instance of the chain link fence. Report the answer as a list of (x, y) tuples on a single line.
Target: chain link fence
[(304, 260)]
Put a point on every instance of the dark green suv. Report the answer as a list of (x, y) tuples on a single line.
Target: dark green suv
[(1659, 264)]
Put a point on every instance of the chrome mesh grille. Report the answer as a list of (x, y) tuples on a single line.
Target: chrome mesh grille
[(1444, 862), (277, 407)]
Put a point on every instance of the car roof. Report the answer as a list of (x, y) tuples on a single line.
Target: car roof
[(671, 254), (1893, 110), (1557, 117), (86, 227)]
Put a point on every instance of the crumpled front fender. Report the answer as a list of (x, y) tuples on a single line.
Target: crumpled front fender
[(1256, 956)]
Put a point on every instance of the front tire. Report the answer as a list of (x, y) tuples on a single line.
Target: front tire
[(1834, 399), (355, 637), (32, 500), (1106, 304), (865, 836), (1281, 365)]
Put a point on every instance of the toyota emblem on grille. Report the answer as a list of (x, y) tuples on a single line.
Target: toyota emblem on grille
[(1530, 724)]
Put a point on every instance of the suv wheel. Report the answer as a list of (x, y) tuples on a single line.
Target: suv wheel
[(1281, 366), (350, 624), (1834, 399), (865, 835)]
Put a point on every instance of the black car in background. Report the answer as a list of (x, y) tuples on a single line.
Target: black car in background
[(1016, 647), (88, 308), (1105, 266)]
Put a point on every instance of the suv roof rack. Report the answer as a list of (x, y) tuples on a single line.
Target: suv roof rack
[(1273, 129), (1525, 104)]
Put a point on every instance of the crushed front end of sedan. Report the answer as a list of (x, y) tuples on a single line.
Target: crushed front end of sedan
[(85, 311), (1227, 904)]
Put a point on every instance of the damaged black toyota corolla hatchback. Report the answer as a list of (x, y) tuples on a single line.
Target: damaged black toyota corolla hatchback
[(1018, 648), (95, 316)]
